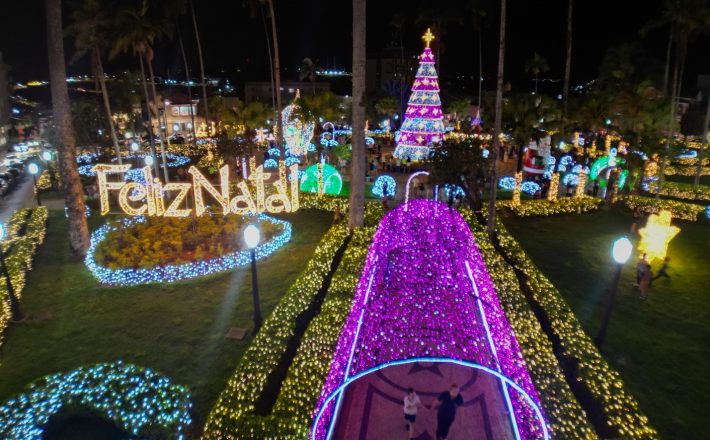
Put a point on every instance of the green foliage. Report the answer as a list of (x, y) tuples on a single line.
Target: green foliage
[(543, 208), (161, 241), (461, 163), (649, 205)]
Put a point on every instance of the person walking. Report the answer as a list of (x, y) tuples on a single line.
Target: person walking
[(641, 267), (411, 405), (662, 272), (645, 283), (446, 405)]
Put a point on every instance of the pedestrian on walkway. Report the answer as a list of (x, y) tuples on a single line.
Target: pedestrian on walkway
[(662, 272), (411, 405), (645, 283), (641, 267), (446, 405)]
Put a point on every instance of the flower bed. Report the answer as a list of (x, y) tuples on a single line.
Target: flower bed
[(619, 408), (129, 276), (649, 205), (543, 207), (26, 231), (139, 400), (565, 416)]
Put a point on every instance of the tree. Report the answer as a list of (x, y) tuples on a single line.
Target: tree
[(387, 107), (321, 107), (308, 72), (537, 65), (497, 123), (203, 80), (73, 193), (356, 215), (528, 117), (138, 30), (479, 12), (89, 30), (463, 164), (568, 65)]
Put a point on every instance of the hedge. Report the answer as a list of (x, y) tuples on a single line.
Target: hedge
[(649, 205), (26, 230), (543, 207)]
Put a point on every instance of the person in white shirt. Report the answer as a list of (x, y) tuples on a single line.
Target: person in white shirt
[(411, 404)]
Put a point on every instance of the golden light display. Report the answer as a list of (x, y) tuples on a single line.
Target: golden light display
[(153, 193), (581, 184), (656, 236), (516, 189), (554, 187)]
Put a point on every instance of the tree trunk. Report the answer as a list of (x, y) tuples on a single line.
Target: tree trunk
[(668, 62), (187, 81), (568, 67), (107, 104), (150, 118), (160, 130), (497, 124), (480, 66), (202, 66), (357, 166), (703, 145), (277, 77), (271, 58), (671, 124), (73, 193)]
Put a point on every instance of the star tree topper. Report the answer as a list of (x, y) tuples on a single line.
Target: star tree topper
[(428, 37)]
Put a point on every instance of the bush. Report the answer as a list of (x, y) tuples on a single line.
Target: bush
[(543, 207), (649, 205)]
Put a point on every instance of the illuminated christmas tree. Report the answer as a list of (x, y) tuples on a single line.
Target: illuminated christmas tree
[(423, 126)]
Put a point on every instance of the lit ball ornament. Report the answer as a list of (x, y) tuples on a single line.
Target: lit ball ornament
[(328, 180), (378, 187)]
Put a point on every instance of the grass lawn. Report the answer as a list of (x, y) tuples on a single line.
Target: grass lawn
[(176, 329), (659, 346)]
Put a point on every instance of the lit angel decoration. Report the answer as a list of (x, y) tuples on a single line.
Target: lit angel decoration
[(656, 236), (297, 133)]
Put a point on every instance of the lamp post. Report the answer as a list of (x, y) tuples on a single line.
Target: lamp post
[(149, 161), (252, 235), (620, 251), (34, 169), (16, 314), (48, 156)]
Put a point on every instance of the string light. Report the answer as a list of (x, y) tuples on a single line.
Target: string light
[(186, 271), (506, 183), (553, 191), (517, 187), (378, 188), (137, 399)]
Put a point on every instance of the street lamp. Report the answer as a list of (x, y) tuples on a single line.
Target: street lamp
[(252, 235), (16, 314), (620, 251), (33, 168), (149, 161)]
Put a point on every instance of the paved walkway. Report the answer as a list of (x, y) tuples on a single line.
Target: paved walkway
[(372, 406)]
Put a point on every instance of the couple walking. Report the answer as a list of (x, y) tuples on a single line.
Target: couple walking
[(446, 404)]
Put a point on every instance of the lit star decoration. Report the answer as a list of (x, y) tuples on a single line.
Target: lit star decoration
[(186, 271), (656, 235), (138, 399), (423, 126), (379, 186), (436, 300)]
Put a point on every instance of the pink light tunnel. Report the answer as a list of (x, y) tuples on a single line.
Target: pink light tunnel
[(425, 294)]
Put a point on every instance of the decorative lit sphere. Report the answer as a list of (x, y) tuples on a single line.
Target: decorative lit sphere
[(507, 183), (332, 183), (378, 187), (149, 161), (707, 212), (621, 251), (47, 155), (134, 146), (33, 168), (252, 235)]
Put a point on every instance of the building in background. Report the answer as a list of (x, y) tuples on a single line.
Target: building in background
[(4, 103), (392, 71), (262, 91), (176, 115)]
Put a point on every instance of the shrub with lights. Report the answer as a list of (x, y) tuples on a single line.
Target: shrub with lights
[(649, 205), (681, 190), (139, 400), (26, 230), (542, 207)]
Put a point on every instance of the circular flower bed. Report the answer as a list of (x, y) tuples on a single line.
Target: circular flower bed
[(138, 399), (210, 251)]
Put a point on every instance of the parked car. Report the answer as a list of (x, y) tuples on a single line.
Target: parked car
[(9, 179), (4, 188)]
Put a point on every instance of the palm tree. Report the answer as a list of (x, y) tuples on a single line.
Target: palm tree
[(138, 32), (497, 123), (356, 214), (90, 21), (202, 64), (73, 193), (568, 66), (537, 65)]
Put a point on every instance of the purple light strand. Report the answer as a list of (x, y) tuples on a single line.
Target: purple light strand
[(414, 299)]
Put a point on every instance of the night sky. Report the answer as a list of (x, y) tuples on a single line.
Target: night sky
[(321, 29)]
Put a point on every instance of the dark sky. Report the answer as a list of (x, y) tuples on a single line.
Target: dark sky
[(321, 29)]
